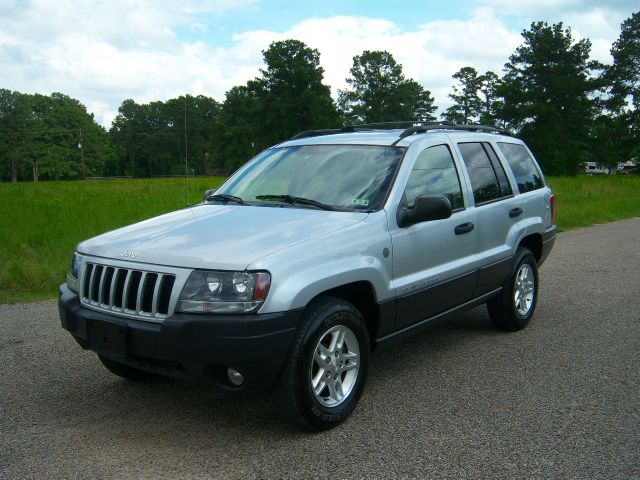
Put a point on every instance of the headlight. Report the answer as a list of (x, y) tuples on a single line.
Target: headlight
[(209, 291), (72, 274)]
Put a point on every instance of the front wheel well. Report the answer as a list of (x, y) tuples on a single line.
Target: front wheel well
[(362, 296)]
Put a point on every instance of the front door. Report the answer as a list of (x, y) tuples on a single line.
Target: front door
[(433, 261)]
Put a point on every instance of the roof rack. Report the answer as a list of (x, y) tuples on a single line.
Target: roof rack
[(417, 126), (397, 123), (427, 126), (363, 127), (330, 131)]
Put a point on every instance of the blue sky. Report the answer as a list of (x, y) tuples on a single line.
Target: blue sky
[(102, 52), (280, 15)]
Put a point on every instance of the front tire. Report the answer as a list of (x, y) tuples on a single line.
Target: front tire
[(326, 369), (513, 308)]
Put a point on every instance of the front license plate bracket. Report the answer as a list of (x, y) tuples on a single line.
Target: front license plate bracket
[(107, 337)]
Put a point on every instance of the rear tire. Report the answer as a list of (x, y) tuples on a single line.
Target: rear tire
[(125, 371), (513, 308), (325, 372)]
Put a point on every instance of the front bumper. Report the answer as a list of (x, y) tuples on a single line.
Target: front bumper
[(191, 346)]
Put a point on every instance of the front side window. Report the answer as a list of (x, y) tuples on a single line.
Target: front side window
[(434, 173), (528, 177), (344, 177)]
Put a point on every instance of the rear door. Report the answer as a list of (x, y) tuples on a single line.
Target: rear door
[(497, 211)]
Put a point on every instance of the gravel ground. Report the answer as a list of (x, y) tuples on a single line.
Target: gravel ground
[(559, 399)]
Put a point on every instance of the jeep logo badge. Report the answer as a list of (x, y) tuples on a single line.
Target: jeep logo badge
[(128, 253)]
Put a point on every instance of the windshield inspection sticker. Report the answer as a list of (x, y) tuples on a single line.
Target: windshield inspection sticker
[(360, 202)]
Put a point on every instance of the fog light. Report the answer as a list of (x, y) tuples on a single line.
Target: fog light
[(235, 377)]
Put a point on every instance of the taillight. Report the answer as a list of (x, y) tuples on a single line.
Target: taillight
[(552, 203)]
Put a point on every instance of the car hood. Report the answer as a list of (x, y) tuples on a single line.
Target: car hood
[(227, 237)]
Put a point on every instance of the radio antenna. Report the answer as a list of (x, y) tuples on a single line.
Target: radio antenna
[(186, 151)]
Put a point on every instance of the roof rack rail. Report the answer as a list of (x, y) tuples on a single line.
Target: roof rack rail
[(417, 126), (363, 127), (451, 126), (329, 131), (397, 123)]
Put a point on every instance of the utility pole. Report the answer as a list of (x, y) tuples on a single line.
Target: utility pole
[(82, 172), (186, 151)]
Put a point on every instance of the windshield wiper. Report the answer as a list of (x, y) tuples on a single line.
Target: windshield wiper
[(223, 197), (290, 199)]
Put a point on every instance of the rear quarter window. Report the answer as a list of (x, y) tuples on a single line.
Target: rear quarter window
[(528, 176)]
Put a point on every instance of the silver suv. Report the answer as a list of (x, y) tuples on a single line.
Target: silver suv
[(312, 255)]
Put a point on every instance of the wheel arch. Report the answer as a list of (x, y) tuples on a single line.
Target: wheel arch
[(362, 296), (534, 243)]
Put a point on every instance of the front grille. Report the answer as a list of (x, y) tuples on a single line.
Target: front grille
[(127, 291)]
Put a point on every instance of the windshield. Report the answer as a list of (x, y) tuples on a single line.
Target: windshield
[(345, 177)]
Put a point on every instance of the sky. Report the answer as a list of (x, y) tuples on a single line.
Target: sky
[(102, 52)]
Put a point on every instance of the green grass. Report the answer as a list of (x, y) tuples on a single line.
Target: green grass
[(41, 223), (582, 201)]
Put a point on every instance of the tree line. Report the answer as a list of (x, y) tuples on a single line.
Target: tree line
[(566, 106)]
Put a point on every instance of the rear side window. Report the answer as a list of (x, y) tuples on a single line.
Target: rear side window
[(505, 186), (484, 180), (528, 177), (434, 173)]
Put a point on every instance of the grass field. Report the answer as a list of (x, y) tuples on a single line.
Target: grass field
[(585, 200), (41, 223)]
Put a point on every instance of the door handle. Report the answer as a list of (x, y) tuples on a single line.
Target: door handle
[(514, 212), (464, 228)]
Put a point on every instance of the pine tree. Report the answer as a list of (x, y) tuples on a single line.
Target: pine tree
[(546, 90)]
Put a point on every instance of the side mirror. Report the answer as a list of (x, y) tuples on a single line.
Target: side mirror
[(211, 191), (425, 209)]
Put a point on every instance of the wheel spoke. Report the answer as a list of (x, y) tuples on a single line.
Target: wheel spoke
[(349, 355), (339, 391), (318, 376), (334, 341), (349, 366), (320, 355), (339, 339), (529, 287), (334, 394), (317, 389)]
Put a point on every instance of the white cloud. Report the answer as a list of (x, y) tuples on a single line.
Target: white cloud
[(430, 55), (593, 19), (104, 52), (601, 26)]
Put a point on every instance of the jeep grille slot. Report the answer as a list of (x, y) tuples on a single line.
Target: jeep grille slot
[(127, 291)]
